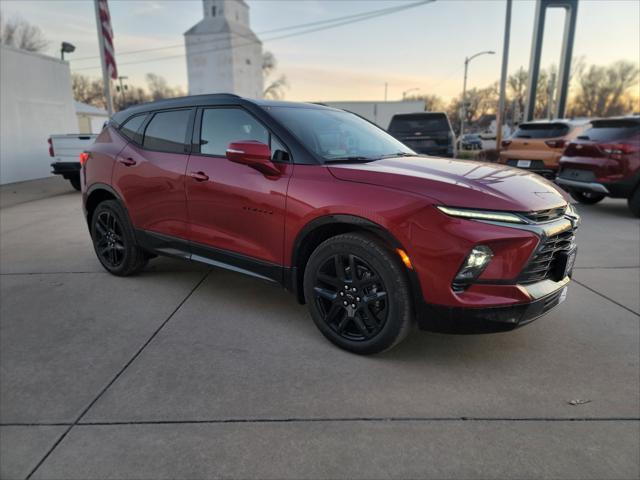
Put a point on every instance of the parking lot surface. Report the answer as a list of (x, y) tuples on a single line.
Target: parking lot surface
[(189, 372)]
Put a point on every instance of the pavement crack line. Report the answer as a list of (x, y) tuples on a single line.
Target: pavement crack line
[(117, 375), (326, 420), (606, 298)]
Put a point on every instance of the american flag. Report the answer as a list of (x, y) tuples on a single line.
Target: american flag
[(107, 35)]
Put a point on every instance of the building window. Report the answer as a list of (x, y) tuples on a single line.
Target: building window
[(248, 61), (213, 11)]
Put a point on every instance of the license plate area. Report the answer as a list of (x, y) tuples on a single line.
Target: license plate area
[(564, 263), (523, 164)]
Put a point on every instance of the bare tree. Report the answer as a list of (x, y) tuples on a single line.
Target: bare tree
[(159, 89), (19, 33), (605, 91), (87, 90), (275, 88), (432, 102), (479, 102)]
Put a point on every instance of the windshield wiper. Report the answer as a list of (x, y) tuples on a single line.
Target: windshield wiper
[(400, 154), (353, 159)]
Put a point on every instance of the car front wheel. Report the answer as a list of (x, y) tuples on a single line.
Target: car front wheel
[(358, 293)]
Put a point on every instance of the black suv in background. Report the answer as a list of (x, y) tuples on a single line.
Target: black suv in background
[(425, 132)]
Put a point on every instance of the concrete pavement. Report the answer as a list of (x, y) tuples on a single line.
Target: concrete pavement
[(186, 372)]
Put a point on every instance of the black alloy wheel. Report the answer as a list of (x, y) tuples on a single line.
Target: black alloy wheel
[(358, 293), (109, 243), (114, 240), (351, 297)]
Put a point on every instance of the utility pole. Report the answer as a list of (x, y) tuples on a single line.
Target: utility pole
[(463, 110), (122, 88), (503, 75), (386, 86)]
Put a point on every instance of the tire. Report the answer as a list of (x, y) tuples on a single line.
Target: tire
[(634, 202), (379, 312), (75, 182), (587, 198), (114, 240)]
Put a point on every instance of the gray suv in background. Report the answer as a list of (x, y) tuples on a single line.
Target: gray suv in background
[(429, 133)]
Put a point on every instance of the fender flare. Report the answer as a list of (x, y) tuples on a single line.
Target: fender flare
[(345, 219)]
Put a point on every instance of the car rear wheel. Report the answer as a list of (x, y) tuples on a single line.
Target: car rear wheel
[(634, 202), (114, 240), (358, 294), (588, 198)]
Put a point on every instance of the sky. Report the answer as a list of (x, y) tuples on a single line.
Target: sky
[(422, 48)]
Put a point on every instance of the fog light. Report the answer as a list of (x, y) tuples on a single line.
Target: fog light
[(477, 260)]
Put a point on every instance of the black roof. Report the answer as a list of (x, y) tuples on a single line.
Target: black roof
[(206, 100)]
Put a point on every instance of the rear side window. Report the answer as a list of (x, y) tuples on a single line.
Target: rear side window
[(541, 130), (131, 127), (167, 131), (222, 126), (612, 130), (431, 122)]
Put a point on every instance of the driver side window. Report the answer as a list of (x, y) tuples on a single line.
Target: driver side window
[(222, 126)]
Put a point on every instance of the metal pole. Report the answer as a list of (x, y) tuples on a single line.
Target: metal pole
[(534, 63), (564, 72), (120, 78), (503, 75), (106, 81), (386, 85), (463, 110)]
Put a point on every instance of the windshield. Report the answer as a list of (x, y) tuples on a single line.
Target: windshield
[(419, 122), (337, 135), (612, 130), (541, 130)]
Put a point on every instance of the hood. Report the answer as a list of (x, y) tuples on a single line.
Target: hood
[(458, 183)]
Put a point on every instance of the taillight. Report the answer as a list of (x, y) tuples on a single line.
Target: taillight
[(556, 143), (84, 156), (50, 147), (617, 150), (505, 143)]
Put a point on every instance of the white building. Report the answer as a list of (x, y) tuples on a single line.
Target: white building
[(90, 119), (35, 102), (379, 113), (223, 53)]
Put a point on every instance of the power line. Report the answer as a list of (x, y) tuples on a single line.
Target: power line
[(343, 21), (274, 30)]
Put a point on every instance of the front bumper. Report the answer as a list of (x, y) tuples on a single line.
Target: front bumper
[(456, 320)]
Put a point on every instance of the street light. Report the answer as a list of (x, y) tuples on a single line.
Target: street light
[(463, 113), (66, 47), (404, 94)]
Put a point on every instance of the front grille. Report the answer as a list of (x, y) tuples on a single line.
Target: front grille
[(546, 215), (541, 265)]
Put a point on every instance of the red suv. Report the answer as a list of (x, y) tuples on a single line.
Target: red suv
[(604, 161), (370, 235)]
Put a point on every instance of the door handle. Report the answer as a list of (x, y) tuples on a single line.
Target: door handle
[(199, 176), (127, 162)]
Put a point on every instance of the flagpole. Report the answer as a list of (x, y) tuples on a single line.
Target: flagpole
[(106, 80)]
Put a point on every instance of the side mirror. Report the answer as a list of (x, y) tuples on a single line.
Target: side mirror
[(253, 154)]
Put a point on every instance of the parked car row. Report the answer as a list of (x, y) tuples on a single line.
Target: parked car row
[(592, 159), (604, 161)]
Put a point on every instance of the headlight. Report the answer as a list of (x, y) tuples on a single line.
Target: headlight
[(481, 215), (475, 263)]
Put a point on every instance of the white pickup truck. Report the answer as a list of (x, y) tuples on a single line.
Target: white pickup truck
[(66, 150)]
